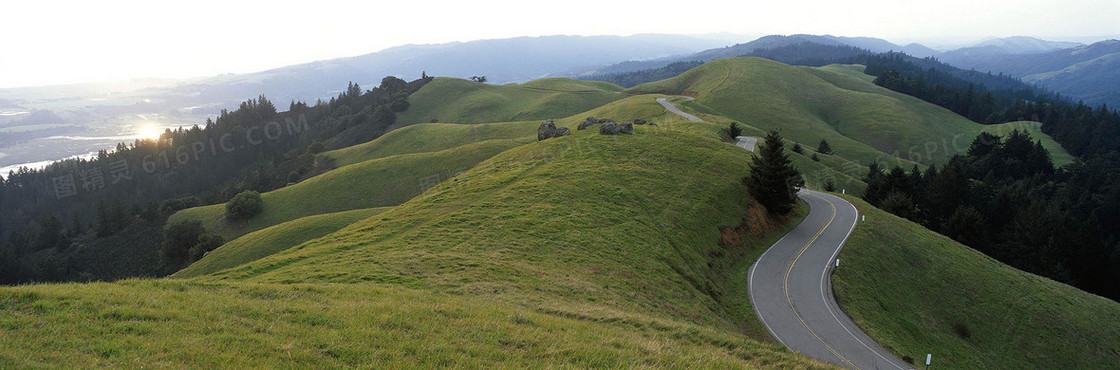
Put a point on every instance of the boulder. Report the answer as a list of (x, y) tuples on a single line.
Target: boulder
[(587, 123), (626, 128), (549, 130), (610, 128), (605, 120), (639, 121), (654, 124)]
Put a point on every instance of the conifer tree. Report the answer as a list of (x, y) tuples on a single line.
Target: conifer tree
[(824, 148), (774, 181)]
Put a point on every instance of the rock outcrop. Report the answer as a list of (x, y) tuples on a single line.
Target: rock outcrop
[(548, 130)]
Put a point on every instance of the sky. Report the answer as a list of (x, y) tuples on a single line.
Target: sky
[(60, 42)]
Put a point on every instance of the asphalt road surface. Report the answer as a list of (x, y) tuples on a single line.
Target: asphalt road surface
[(673, 108), (747, 142), (791, 289)]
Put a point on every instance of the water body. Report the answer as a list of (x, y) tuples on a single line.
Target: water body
[(39, 152), (40, 164)]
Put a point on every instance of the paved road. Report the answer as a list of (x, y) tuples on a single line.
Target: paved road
[(673, 108), (747, 142), (791, 289)]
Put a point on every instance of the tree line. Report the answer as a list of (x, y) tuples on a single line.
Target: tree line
[(1005, 198), (64, 221)]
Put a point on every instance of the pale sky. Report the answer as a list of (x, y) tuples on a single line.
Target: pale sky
[(56, 42)]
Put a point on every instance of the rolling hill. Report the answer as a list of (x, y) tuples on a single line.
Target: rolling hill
[(461, 101), (585, 250), (273, 239), (862, 122), (377, 182)]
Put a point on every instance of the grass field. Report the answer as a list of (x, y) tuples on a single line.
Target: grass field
[(460, 101), (916, 292), (265, 242), (380, 182), (586, 250)]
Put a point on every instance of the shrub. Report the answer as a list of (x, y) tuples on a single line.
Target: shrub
[(961, 330), (244, 205)]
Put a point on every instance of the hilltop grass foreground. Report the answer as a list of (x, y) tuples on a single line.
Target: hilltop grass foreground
[(585, 250)]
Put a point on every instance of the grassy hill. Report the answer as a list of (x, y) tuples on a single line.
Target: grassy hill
[(918, 292), (377, 182), (431, 137), (586, 251), (862, 122), (261, 243), (461, 101)]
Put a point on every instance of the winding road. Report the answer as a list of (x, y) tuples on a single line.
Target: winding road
[(791, 289), (673, 108), (791, 283)]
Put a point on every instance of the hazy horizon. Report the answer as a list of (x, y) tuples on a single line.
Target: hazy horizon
[(126, 40)]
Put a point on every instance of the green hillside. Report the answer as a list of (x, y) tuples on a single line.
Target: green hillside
[(862, 122), (1058, 154), (261, 243), (460, 101), (585, 251), (918, 292), (431, 137), (377, 182)]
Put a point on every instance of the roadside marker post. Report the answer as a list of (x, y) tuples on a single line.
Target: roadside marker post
[(863, 217), (837, 263), (843, 191), (929, 356)]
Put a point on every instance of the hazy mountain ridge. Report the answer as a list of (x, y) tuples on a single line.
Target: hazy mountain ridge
[(766, 42), (1085, 72)]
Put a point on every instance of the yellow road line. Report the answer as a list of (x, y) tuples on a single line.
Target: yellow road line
[(785, 285)]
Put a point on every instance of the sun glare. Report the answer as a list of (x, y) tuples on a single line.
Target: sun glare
[(149, 132)]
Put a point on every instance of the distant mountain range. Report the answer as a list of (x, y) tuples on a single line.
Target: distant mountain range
[(1090, 73), (1083, 72), (766, 42), (500, 60)]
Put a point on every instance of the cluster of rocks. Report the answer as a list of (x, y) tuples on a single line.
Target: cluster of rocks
[(613, 128), (548, 130), (593, 121), (607, 126)]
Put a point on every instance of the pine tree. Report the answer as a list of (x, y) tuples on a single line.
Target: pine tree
[(734, 130), (774, 181), (824, 148)]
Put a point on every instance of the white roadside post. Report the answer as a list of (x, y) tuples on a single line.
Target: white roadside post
[(863, 217), (843, 191), (929, 356)]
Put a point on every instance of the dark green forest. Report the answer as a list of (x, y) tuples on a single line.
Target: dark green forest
[(104, 218), (1006, 199)]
